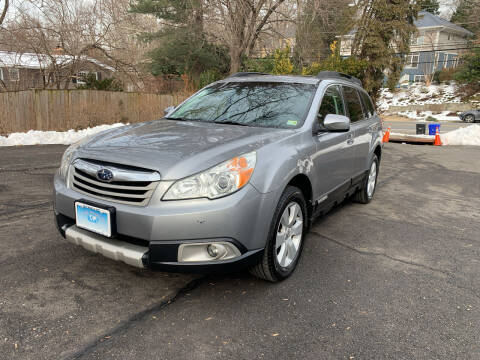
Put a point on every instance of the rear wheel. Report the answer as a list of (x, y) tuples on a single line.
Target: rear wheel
[(469, 118), (285, 238), (365, 194)]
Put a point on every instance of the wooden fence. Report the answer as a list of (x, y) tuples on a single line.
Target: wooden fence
[(62, 110)]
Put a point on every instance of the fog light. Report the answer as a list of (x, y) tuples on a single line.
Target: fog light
[(201, 252), (212, 250)]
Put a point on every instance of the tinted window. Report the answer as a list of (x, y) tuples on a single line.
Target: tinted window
[(332, 103), (280, 105), (353, 103), (368, 104)]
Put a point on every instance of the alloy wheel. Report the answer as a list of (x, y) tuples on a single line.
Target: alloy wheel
[(372, 179), (289, 234)]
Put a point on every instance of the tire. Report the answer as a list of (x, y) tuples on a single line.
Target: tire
[(277, 263), (365, 194), (469, 118)]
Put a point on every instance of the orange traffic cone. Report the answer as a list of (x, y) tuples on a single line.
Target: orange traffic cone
[(386, 136), (437, 142)]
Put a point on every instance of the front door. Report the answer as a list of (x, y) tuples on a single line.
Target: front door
[(333, 157), (362, 124)]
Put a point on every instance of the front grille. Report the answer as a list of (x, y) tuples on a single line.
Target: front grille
[(133, 191)]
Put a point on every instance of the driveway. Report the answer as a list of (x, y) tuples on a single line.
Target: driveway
[(404, 125), (398, 278)]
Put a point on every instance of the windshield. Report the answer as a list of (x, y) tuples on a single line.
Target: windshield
[(279, 105)]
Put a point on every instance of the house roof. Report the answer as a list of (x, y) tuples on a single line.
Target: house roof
[(426, 19), (429, 20), (42, 61)]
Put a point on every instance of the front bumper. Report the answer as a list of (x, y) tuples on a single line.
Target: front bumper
[(149, 237), (153, 255)]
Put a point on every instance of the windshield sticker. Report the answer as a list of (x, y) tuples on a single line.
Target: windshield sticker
[(292, 122)]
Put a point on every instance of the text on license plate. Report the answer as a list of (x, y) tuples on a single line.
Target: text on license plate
[(92, 218)]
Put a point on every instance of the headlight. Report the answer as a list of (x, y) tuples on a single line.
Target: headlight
[(221, 180), (67, 157)]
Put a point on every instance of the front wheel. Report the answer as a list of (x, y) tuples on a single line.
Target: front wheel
[(365, 194), (285, 238), (469, 118)]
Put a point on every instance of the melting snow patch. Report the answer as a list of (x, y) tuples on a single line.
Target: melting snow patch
[(418, 94), (469, 135), (423, 115), (35, 137)]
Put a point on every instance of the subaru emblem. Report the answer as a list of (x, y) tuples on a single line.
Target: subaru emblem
[(104, 175)]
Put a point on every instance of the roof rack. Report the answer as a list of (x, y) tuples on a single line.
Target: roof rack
[(248, 73), (334, 74)]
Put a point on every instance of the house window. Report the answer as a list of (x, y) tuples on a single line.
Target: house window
[(80, 77), (449, 36), (1, 75), (13, 74), (416, 40), (419, 78), (438, 65), (412, 60), (455, 62), (98, 76)]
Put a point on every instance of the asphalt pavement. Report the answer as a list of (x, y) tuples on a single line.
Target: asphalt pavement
[(396, 279)]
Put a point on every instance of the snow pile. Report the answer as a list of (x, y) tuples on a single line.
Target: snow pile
[(469, 135), (422, 115), (418, 94), (35, 137)]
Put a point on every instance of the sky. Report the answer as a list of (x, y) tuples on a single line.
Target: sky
[(447, 7)]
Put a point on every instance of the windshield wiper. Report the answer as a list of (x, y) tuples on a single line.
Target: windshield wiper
[(176, 118), (182, 119), (230, 122)]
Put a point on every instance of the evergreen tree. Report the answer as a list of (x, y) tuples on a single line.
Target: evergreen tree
[(383, 36), (467, 15), (469, 71), (183, 47), (431, 6)]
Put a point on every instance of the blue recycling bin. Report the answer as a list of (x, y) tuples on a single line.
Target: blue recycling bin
[(432, 129)]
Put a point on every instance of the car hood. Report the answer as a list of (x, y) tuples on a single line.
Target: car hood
[(176, 149)]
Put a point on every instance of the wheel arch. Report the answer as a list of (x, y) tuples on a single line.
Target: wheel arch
[(378, 152), (302, 182)]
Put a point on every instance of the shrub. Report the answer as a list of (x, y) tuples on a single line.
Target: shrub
[(431, 118), (207, 77), (467, 91), (444, 75), (282, 64), (469, 71), (264, 65), (91, 83), (351, 65)]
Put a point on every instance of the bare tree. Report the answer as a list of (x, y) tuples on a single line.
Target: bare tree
[(3, 14), (241, 22), (64, 32), (428, 67)]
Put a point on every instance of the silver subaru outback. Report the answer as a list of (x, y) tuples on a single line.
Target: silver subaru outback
[(231, 178)]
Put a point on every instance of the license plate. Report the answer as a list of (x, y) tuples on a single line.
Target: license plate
[(93, 218)]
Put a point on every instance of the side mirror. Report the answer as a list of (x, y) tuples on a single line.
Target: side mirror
[(168, 110), (335, 122)]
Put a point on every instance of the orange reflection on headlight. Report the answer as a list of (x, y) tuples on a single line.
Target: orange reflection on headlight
[(240, 165)]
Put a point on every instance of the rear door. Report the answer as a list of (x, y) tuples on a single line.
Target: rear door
[(362, 118), (333, 157)]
